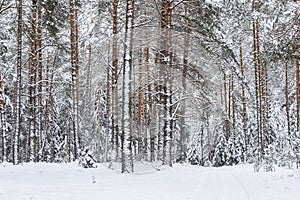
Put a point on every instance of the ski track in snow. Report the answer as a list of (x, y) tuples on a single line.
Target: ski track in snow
[(183, 182), (239, 183)]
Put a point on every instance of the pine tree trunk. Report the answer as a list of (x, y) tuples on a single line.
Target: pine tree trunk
[(149, 109), (40, 131), (74, 75), (115, 97), (256, 75), (262, 94), (298, 92), (32, 68), (165, 78)]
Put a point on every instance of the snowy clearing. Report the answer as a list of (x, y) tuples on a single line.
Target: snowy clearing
[(68, 181)]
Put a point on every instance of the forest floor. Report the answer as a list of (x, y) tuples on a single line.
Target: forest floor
[(182, 182)]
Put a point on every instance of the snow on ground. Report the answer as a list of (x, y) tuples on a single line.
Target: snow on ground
[(182, 182)]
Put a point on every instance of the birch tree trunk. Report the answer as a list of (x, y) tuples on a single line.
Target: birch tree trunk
[(17, 132), (126, 81), (3, 121), (131, 69)]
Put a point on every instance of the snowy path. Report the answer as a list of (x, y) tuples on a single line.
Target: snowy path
[(70, 182)]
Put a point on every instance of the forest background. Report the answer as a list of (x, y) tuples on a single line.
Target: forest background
[(211, 83)]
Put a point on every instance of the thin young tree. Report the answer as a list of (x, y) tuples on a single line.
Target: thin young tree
[(131, 110), (114, 82), (226, 107), (297, 70), (186, 44), (140, 109), (244, 102), (233, 105), (3, 122), (108, 104), (287, 107)]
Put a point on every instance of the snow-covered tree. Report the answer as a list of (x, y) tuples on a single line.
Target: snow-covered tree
[(220, 154)]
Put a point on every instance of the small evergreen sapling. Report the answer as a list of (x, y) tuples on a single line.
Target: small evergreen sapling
[(86, 159), (220, 156)]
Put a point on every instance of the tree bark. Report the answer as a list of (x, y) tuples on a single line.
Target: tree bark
[(298, 92), (245, 120), (287, 98), (140, 107), (32, 68), (256, 76), (126, 93), (108, 106), (17, 132), (130, 95), (226, 100), (40, 131), (233, 104), (74, 75), (186, 42), (229, 106), (297, 71), (115, 97), (165, 78), (3, 121)]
